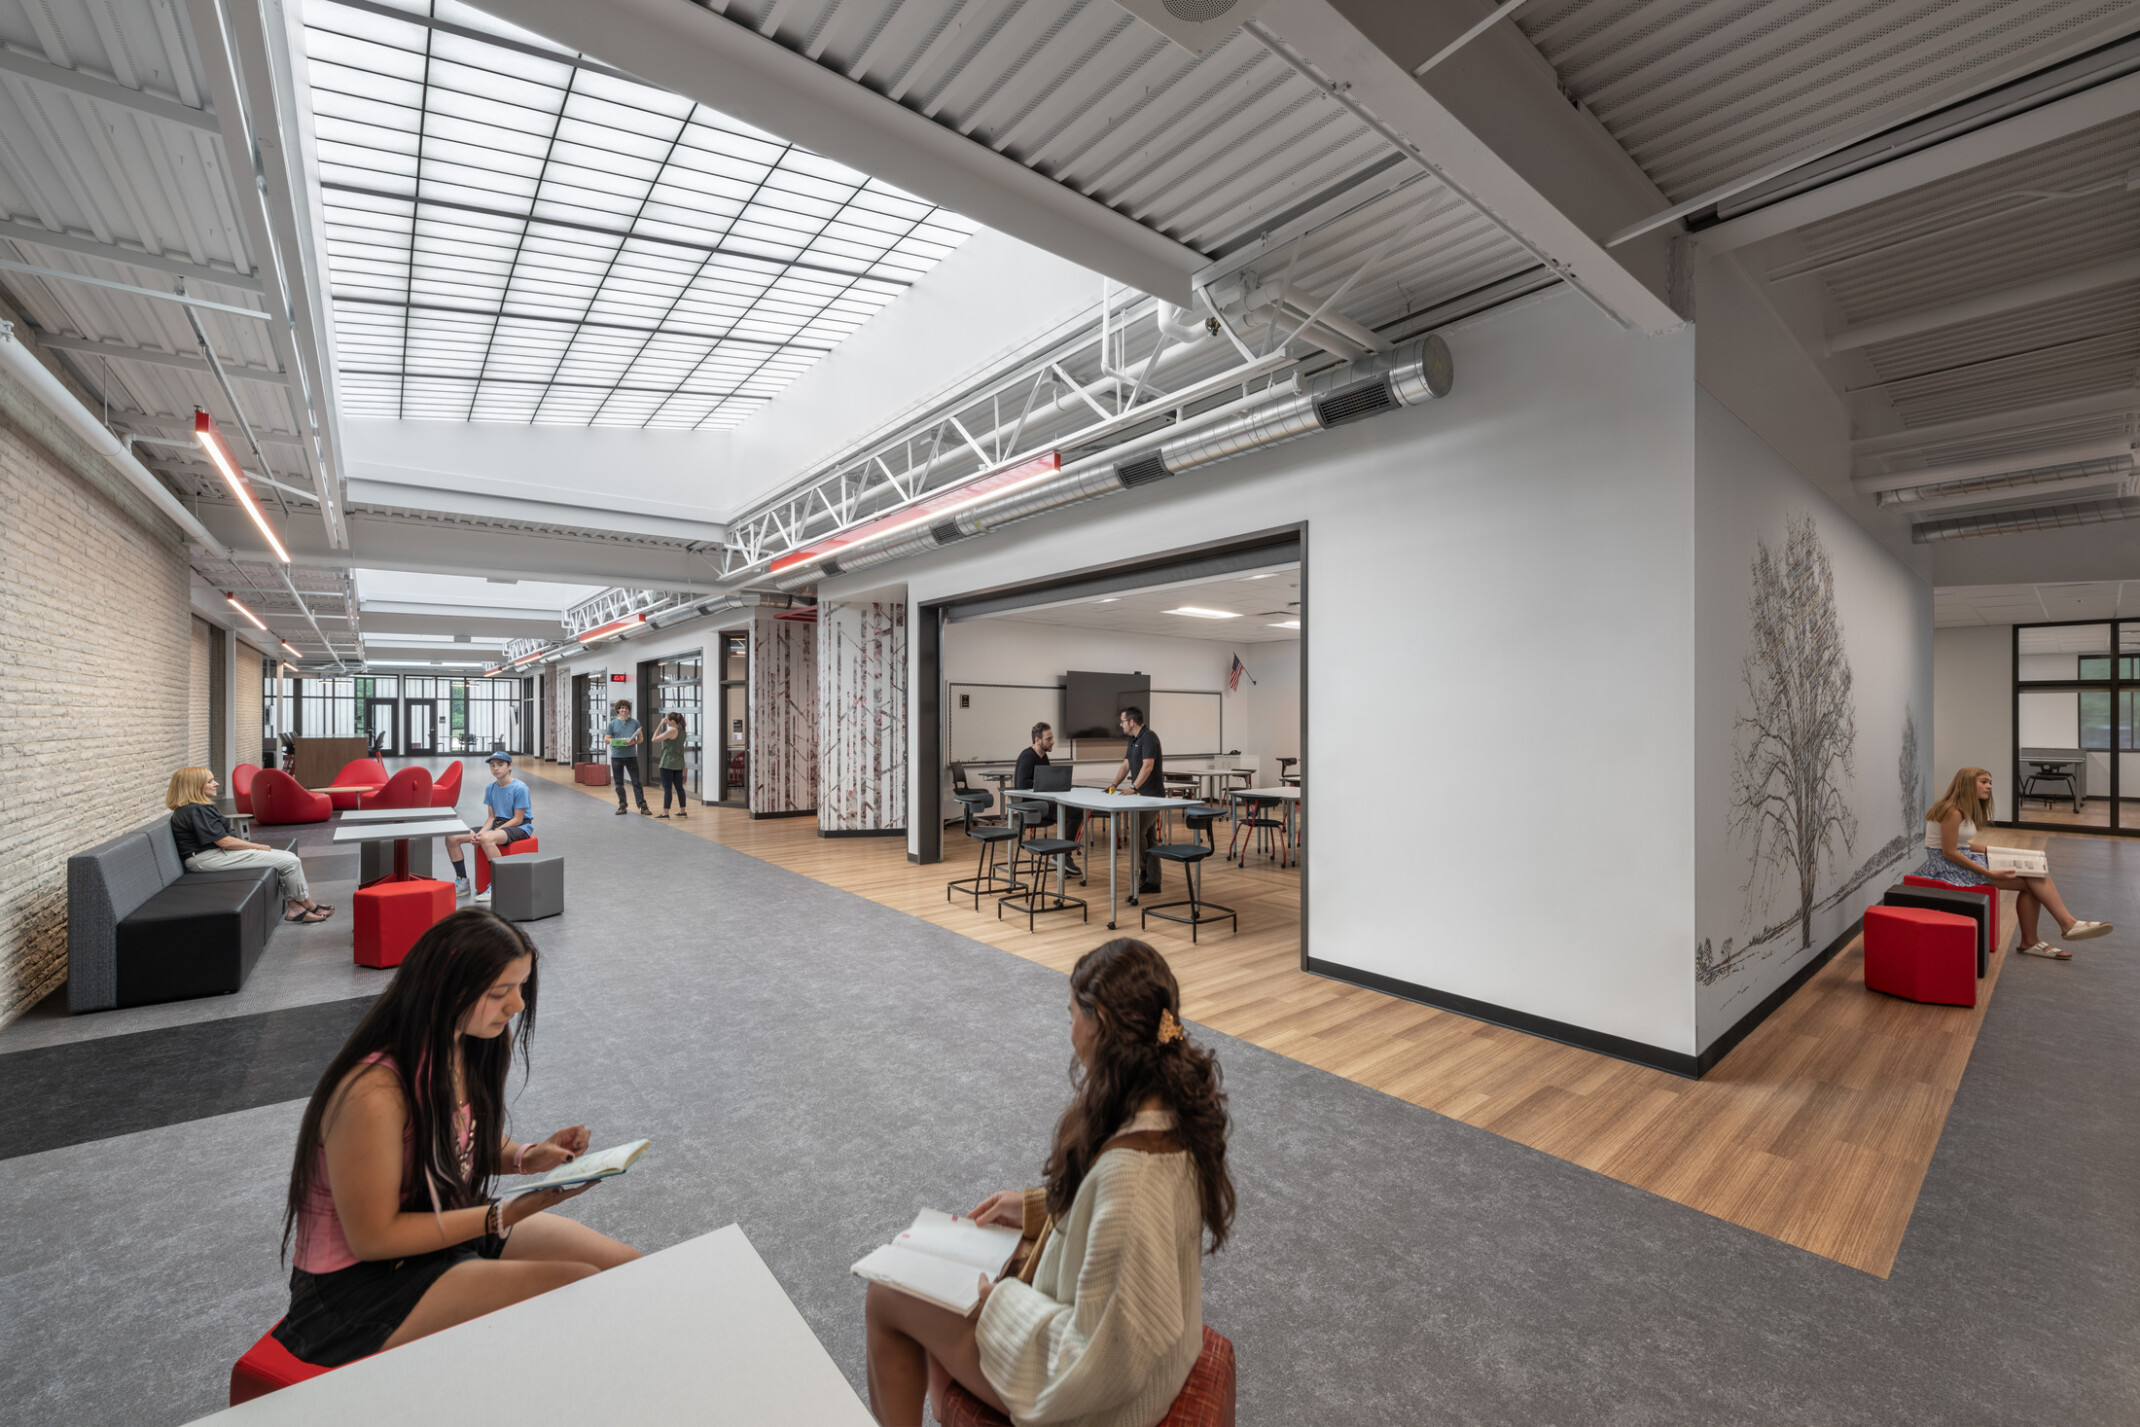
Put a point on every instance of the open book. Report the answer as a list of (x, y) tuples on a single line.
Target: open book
[(941, 1259), (2028, 861), (601, 1164)]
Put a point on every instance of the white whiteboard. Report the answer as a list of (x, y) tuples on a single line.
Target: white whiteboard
[(1189, 722), (997, 722)]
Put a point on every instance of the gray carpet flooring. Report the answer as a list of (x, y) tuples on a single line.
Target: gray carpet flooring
[(815, 1067)]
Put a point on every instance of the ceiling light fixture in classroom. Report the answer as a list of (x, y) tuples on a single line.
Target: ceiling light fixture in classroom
[(1195, 613)]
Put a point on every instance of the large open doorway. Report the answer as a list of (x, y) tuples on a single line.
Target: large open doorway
[(732, 723)]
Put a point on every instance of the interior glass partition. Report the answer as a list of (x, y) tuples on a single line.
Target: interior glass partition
[(2074, 739), (734, 719), (674, 686)]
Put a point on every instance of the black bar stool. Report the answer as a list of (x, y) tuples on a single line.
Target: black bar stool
[(1191, 855), (987, 879), (1026, 814)]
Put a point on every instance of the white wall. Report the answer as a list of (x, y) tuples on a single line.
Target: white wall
[(1752, 915), (1972, 705), (1458, 541), (1260, 719)]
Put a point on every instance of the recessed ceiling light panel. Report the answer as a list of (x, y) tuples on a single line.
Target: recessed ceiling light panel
[(1195, 613)]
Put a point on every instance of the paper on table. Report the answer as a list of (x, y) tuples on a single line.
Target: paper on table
[(602, 1164)]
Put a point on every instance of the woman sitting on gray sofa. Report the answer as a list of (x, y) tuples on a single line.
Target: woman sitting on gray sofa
[(206, 843)]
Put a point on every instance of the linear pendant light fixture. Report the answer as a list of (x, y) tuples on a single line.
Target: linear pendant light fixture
[(206, 432), (232, 600)]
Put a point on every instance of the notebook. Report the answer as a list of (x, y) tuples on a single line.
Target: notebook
[(941, 1258), (602, 1164), (2029, 862)]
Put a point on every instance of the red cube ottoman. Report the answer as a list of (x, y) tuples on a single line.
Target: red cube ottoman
[(391, 915), (1205, 1400), (267, 1367), (511, 849), (1983, 889), (1921, 955)]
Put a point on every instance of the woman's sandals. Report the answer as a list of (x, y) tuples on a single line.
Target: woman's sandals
[(2082, 931), (2045, 949)]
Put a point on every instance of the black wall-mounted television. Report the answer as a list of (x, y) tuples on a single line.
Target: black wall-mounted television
[(1091, 702)]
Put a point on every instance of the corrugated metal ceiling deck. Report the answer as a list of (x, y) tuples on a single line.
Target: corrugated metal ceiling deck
[(1701, 92)]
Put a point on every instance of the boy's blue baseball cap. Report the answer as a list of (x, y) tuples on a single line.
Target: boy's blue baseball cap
[(501, 756)]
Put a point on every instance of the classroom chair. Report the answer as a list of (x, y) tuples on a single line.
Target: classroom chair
[(988, 876), (1027, 814), (1191, 855)]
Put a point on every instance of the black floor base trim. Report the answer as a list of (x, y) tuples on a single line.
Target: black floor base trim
[(119, 1085), (862, 832), (1619, 1047), (1744, 1026), (789, 813)]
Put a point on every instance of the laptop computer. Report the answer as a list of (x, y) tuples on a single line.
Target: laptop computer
[(1051, 778)]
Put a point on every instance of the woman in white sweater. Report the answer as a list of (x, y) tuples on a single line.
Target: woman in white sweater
[(1104, 1323)]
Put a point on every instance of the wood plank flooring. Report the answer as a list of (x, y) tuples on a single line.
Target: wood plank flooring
[(1816, 1130)]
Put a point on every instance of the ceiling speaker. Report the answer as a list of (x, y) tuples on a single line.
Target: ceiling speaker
[(1195, 25)]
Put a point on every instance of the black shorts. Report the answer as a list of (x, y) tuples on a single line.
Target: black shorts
[(516, 834), (338, 1317)]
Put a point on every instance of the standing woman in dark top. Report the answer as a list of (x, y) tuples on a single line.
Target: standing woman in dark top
[(206, 843), (669, 738)]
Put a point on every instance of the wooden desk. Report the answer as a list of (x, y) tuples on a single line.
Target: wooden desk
[(317, 760), (696, 1333)]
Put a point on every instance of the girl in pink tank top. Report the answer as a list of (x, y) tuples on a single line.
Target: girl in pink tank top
[(390, 1205)]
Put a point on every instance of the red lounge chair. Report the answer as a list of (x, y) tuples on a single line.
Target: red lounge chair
[(409, 788), (277, 798), (446, 791), (241, 785), (358, 772)]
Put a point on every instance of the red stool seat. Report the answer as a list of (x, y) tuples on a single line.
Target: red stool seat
[(1982, 889), (267, 1367), (511, 849), (1205, 1400), (390, 916), (1921, 955)]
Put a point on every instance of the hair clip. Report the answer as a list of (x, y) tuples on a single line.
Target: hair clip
[(1169, 1028)]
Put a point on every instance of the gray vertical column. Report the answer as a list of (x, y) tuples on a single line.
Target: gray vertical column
[(222, 703)]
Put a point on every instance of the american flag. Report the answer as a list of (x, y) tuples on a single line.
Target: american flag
[(1233, 676)]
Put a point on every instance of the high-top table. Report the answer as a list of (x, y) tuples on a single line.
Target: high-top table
[(399, 833), (395, 815), (700, 1332), (1111, 806)]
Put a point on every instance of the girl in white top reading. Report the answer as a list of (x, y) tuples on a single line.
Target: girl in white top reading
[(1102, 1328), (1954, 854)]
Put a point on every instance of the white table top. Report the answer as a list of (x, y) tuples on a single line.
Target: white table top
[(394, 815), (696, 1333), (1289, 795), (395, 832), (1099, 800)]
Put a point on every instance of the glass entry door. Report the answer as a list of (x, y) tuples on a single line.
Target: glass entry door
[(423, 726), (674, 688), (732, 726), (379, 720)]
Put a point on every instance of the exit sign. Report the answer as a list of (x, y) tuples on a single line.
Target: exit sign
[(620, 678)]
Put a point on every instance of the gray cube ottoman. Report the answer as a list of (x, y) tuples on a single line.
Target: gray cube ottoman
[(528, 887)]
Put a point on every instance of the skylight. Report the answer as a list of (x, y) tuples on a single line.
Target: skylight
[(515, 233)]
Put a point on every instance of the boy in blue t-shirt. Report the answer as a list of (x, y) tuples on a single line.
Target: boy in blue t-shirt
[(511, 818)]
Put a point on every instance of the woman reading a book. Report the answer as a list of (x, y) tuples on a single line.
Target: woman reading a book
[(390, 1204), (1954, 854), (1104, 1323)]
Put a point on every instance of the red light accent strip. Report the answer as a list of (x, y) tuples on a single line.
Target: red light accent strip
[(922, 511), (615, 626)]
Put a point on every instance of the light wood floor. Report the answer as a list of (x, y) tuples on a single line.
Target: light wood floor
[(1816, 1130)]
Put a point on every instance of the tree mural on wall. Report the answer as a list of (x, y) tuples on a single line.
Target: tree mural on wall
[(1797, 739)]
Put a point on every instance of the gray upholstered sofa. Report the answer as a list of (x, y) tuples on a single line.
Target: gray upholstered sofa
[(142, 929)]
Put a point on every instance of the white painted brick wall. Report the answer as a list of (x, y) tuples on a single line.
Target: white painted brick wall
[(200, 694), (95, 669)]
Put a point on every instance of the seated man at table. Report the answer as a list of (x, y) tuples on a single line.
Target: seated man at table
[(511, 818), (1141, 774), (1036, 756)]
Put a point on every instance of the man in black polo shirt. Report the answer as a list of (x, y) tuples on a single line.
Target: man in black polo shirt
[(1036, 756), (1140, 774)]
